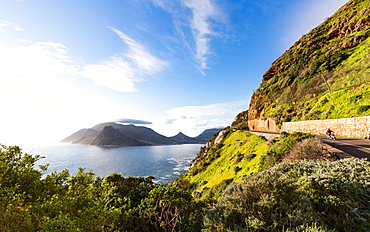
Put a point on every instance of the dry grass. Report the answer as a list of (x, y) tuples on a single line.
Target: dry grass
[(309, 149)]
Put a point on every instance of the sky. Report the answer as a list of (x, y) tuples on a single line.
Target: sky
[(171, 65)]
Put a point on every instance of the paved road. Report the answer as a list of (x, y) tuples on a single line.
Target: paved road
[(359, 148)]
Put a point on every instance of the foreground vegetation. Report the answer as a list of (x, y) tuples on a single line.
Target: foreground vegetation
[(331, 195), (237, 155), (289, 196)]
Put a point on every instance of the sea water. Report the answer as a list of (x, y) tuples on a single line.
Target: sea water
[(165, 163)]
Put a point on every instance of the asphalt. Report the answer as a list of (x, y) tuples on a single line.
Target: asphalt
[(359, 148), (348, 147)]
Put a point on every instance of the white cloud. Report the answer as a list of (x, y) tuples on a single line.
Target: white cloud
[(122, 71), (36, 60), (202, 19), (114, 73), (203, 12), (138, 55), (11, 25), (199, 111), (192, 120)]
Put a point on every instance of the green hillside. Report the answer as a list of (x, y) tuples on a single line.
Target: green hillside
[(325, 74), (237, 155)]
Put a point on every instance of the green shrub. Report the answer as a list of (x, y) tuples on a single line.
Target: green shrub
[(250, 157), (170, 209), (332, 195), (237, 169), (85, 202), (29, 202), (281, 146), (363, 109), (308, 149)]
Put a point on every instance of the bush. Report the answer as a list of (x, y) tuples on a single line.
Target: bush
[(29, 202), (332, 195), (308, 149), (85, 202), (171, 209), (237, 169), (250, 157), (281, 146), (363, 109)]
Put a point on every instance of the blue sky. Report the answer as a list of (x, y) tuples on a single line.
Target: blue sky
[(181, 65)]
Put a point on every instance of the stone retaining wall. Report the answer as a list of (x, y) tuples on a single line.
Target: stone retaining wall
[(268, 136), (358, 127), (267, 124)]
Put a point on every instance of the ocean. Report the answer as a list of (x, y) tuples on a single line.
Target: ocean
[(165, 163)]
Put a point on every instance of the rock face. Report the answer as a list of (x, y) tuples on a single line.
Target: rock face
[(216, 138), (114, 138), (333, 56), (80, 136), (88, 137)]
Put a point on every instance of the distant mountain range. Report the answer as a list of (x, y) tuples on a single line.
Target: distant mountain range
[(112, 134)]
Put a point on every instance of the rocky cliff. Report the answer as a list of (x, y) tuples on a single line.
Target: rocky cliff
[(114, 138), (324, 75)]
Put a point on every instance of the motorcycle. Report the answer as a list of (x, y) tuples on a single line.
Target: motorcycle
[(331, 136)]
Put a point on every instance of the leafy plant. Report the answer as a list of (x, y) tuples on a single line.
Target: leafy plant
[(331, 195)]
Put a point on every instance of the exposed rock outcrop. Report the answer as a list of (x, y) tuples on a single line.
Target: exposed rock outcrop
[(217, 138), (111, 137)]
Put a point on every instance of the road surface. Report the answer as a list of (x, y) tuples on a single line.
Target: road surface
[(359, 148)]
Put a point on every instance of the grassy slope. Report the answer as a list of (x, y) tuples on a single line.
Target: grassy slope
[(238, 155), (327, 63), (349, 95), (227, 161)]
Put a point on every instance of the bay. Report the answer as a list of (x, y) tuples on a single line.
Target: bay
[(165, 163)]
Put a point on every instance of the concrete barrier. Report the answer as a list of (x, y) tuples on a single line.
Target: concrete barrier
[(356, 127)]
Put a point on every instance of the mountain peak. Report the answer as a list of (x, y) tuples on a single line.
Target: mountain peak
[(114, 138)]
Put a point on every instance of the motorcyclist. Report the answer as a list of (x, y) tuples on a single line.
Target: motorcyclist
[(330, 134)]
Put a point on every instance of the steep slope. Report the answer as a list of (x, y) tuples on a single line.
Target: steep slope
[(207, 134), (88, 137), (75, 136), (83, 136), (325, 74), (140, 133), (230, 156), (114, 138)]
